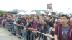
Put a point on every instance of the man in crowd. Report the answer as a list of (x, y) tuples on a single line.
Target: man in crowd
[(19, 24), (9, 22), (63, 30)]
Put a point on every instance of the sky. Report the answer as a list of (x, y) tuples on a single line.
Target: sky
[(58, 5)]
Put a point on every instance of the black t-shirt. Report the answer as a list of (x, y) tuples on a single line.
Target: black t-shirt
[(24, 21), (30, 24)]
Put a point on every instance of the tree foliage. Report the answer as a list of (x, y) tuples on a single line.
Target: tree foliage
[(1, 12)]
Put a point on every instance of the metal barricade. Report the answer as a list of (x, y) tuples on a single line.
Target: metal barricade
[(44, 36), (27, 34)]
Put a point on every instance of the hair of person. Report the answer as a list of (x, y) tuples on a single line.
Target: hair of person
[(65, 16), (50, 16)]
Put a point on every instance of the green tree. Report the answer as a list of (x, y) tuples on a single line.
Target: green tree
[(14, 11), (1, 12)]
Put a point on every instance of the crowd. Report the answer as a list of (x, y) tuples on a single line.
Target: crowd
[(38, 27)]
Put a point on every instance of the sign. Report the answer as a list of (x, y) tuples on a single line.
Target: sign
[(49, 6)]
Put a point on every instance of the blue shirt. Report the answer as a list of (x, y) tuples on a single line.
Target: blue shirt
[(65, 32)]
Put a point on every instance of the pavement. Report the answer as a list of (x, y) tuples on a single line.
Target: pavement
[(6, 35)]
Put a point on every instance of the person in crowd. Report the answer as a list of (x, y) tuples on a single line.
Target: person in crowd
[(19, 25), (70, 21), (63, 30), (29, 27), (9, 22), (14, 24), (35, 25), (43, 29), (4, 19), (25, 24)]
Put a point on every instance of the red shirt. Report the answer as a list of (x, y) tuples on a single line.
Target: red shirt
[(58, 31)]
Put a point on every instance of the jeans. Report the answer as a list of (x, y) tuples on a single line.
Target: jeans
[(24, 34), (30, 35), (10, 27)]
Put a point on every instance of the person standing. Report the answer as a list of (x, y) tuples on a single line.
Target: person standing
[(63, 30)]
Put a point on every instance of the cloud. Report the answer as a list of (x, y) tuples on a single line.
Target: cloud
[(58, 5)]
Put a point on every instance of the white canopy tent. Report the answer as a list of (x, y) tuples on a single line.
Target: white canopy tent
[(21, 13), (26, 13), (42, 12), (29, 12)]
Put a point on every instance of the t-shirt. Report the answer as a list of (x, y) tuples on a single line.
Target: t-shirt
[(58, 32), (65, 32), (10, 21), (19, 20), (34, 24)]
